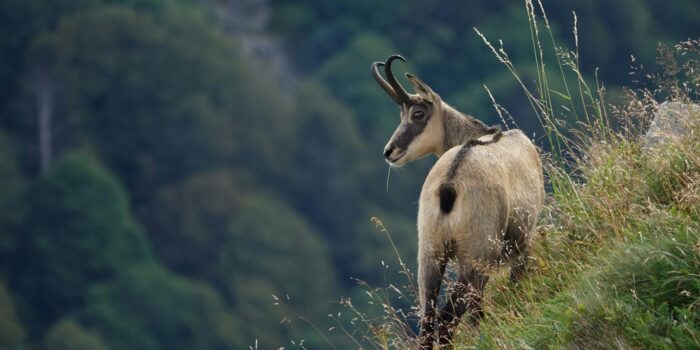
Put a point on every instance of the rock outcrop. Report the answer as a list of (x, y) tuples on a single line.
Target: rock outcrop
[(672, 122), (246, 22)]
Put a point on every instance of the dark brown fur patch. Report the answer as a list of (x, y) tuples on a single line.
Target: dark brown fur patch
[(459, 158), (448, 195)]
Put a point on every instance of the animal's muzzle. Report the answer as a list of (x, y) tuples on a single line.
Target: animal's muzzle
[(388, 150)]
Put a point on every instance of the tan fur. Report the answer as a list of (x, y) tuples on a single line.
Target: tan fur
[(497, 185), (424, 143)]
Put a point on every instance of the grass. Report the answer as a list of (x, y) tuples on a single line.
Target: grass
[(616, 261), (617, 264)]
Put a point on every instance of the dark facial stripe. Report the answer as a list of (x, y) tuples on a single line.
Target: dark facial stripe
[(407, 133), (411, 128)]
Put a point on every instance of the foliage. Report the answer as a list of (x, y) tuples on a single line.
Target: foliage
[(12, 205), (79, 231), (67, 334), (189, 188), (12, 333), (635, 282), (188, 220), (616, 260), (161, 125), (274, 297), (147, 307)]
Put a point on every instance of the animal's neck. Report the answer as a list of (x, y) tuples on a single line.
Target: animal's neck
[(460, 128)]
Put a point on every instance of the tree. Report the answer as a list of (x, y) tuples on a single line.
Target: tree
[(12, 205), (67, 334), (147, 132), (11, 329), (354, 86), (328, 143), (187, 220), (147, 307), (79, 231), (164, 96), (26, 20), (269, 250)]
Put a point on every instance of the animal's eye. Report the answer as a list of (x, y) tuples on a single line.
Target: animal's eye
[(418, 115)]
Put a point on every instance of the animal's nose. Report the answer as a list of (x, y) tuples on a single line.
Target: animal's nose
[(388, 150)]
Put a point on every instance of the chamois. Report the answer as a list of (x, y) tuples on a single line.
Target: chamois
[(479, 203)]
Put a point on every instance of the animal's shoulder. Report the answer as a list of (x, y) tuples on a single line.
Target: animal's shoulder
[(509, 145), (516, 136), (513, 149)]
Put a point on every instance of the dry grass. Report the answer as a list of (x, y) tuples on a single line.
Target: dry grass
[(616, 260)]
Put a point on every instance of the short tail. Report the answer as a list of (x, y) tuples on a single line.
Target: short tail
[(448, 195)]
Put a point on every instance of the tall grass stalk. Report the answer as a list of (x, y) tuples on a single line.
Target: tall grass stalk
[(616, 261)]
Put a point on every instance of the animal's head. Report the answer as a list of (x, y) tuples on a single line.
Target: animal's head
[(420, 129)]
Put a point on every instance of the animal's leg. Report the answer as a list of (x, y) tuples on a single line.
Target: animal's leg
[(430, 271), (465, 298), (516, 249), (519, 266)]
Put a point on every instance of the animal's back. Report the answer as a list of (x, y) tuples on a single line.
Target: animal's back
[(473, 195)]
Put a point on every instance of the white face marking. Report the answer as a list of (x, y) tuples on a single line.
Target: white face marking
[(422, 145), (418, 134)]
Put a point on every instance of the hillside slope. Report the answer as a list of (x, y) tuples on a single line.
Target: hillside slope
[(617, 261)]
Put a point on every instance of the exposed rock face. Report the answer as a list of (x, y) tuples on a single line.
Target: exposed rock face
[(672, 122), (246, 22)]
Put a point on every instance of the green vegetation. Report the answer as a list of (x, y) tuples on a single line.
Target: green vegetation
[(79, 231), (69, 335), (166, 187), (616, 260), (11, 330), (149, 308), (616, 265)]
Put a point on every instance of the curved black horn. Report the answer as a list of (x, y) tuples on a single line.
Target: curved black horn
[(401, 94), (378, 77)]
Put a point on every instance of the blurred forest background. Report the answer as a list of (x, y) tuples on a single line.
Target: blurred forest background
[(197, 174)]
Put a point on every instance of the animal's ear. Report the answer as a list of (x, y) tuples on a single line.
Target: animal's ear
[(422, 88)]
